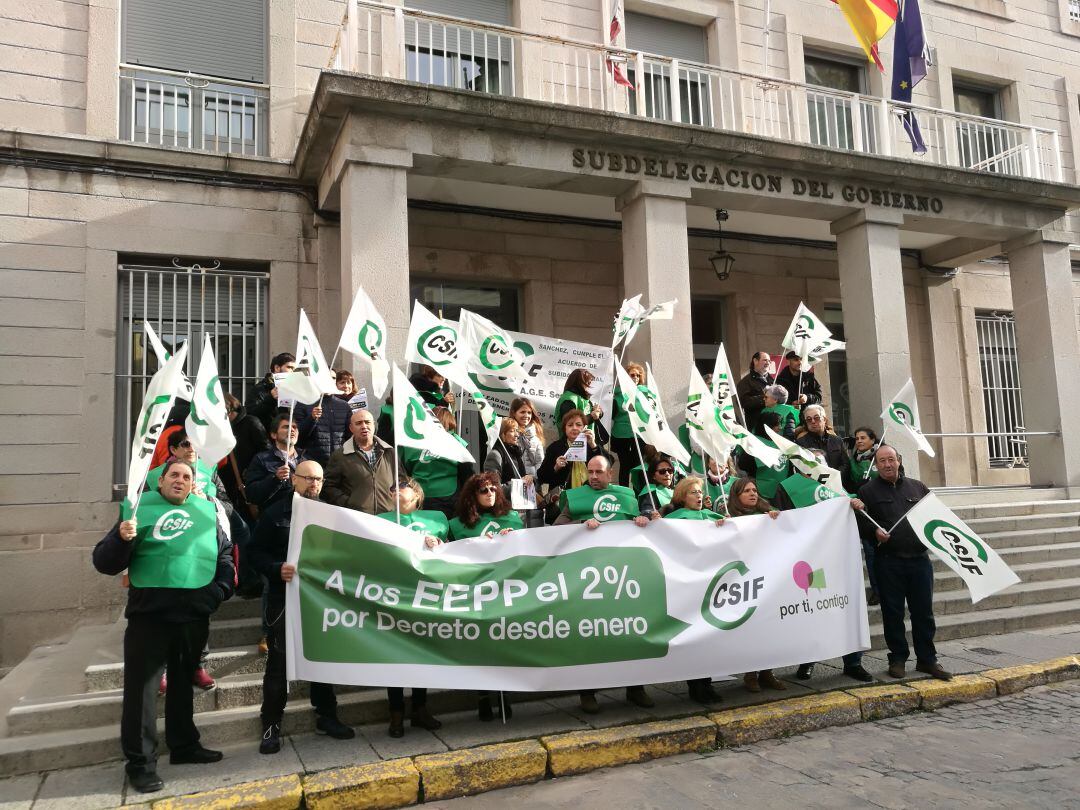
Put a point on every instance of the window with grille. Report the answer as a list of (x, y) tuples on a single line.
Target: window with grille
[(1074, 10), (461, 56), (1001, 389), (184, 305)]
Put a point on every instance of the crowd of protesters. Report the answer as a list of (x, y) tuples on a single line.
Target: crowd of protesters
[(339, 452)]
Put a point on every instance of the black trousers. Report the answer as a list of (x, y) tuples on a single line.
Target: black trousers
[(149, 646), (628, 458), (911, 580), (275, 686), (395, 695)]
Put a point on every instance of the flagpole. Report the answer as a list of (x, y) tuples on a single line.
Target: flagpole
[(397, 483), (288, 441), (866, 515), (648, 483), (873, 458), (332, 359)]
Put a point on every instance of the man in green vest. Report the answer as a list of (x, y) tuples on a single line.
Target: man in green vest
[(180, 565), (598, 503)]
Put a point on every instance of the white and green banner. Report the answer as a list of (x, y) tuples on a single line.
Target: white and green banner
[(364, 336), (563, 607), (969, 556)]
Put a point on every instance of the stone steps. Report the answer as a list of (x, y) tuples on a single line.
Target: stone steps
[(997, 510), (1010, 523)]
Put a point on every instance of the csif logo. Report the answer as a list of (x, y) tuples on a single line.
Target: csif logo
[(732, 596), (966, 549), (495, 354), (492, 527), (823, 493), (804, 327), (438, 345), (370, 339), (172, 524), (902, 415), (605, 508)]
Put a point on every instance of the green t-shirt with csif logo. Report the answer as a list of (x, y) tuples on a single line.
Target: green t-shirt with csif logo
[(176, 546), (611, 503), (421, 522), (693, 514), (487, 524), (435, 474)]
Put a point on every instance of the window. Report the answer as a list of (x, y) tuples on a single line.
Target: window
[(228, 305), (984, 145), (831, 111), (448, 55), (707, 330), (497, 304), (678, 40), (1074, 10), (839, 395), (1000, 372), (194, 75)]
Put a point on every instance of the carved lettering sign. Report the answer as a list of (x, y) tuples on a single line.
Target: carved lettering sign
[(713, 174)]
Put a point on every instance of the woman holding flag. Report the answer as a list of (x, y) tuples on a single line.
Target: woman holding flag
[(410, 513), (622, 434), (439, 477)]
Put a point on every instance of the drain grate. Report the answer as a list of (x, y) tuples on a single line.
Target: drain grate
[(985, 651)]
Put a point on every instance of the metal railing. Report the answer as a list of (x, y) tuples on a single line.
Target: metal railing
[(1012, 445), (186, 111), (447, 51)]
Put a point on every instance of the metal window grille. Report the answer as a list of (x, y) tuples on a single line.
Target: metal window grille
[(185, 304), (1001, 389), (459, 56), (1074, 10)]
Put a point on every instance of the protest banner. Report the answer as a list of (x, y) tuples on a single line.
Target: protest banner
[(564, 607)]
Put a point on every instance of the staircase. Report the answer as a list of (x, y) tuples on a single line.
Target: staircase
[(61, 721)]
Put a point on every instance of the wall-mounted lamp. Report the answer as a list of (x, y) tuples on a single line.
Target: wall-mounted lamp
[(722, 262)]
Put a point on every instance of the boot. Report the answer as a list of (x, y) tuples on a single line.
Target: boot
[(397, 725), (770, 681), (639, 697), (701, 691), (484, 711), (750, 681), (588, 702), (423, 718)]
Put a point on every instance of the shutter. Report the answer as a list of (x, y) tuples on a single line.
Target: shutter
[(665, 37), (496, 12), (223, 38)]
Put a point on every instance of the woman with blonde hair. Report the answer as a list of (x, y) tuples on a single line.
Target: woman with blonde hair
[(622, 434)]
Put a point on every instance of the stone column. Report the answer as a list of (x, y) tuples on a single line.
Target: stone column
[(1048, 354), (950, 380), (375, 250), (875, 316), (656, 263)]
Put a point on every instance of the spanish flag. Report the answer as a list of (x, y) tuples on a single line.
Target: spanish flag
[(870, 20)]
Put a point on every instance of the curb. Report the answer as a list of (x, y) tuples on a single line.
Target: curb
[(433, 777)]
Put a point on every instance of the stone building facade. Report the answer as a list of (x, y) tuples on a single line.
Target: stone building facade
[(345, 143)]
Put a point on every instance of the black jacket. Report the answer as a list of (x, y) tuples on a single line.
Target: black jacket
[(263, 486), (269, 544), (251, 437), (431, 393), (260, 402), (836, 454), (811, 388), (175, 605), (751, 394), (887, 503), (319, 438), (547, 474)]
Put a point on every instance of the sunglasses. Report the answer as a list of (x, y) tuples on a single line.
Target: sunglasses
[(186, 444), (486, 490), (665, 471)]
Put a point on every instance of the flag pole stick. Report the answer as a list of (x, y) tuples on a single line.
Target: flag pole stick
[(648, 483), (866, 515), (873, 457), (397, 483), (332, 359)]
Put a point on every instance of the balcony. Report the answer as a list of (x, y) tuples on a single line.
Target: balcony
[(460, 54), (187, 111)]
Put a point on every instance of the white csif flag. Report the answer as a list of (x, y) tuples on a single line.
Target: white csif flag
[(160, 395), (953, 541), (723, 381), (627, 315), (208, 424), (806, 462), (312, 377), (647, 417), (903, 411), (488, 418), (487, 350), (703, 420), (183, 390), (365, 337), (808, 336), (657, 312), (415, 426), (434, 342)]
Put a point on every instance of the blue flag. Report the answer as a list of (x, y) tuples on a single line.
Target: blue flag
[(911, 58)]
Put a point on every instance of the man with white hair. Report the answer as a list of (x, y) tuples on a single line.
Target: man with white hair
[(819, 436)]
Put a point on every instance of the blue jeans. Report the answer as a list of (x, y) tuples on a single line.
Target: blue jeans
[(910, 580)]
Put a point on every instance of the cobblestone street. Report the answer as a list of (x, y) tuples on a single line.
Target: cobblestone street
[(1018, 751)]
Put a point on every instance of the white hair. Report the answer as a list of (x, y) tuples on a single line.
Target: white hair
[(815, 407)]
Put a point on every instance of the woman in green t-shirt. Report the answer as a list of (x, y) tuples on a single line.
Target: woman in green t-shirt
[(776, 397), (439, 477), (410, 499), (576, 396), (656, 494), (688, 503), (622, 435), (484, 511)]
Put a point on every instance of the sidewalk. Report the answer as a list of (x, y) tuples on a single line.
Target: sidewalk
[(102, 786)]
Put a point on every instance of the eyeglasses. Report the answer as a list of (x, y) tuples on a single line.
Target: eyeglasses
[(815, 419), (486, 490), (315, 479), (665, 471), (186, 444)]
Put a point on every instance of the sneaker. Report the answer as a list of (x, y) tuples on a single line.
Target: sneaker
[(934, 670), (145, 781), (639, 697), (589, 704), (896, 669), (202, 679), (859, 673), (770, 681), (397, 725), (163, 685), (197, 755), (264, 647), (333, 727), (804, 672), (271, 739), (423, 718), (751, 682)]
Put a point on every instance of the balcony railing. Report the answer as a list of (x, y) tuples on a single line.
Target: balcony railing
[(446, 51), (187, 111)]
